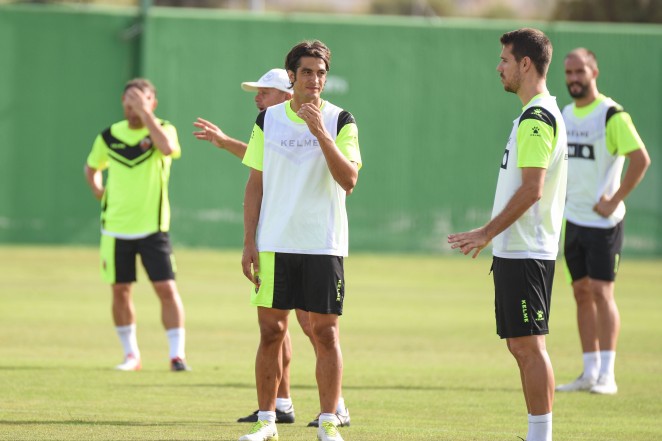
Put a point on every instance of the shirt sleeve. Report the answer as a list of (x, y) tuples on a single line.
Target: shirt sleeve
[(534, 144), (98, 157), (348, 143), (254, 155), (622, 136), (171, 133), (535, 138)]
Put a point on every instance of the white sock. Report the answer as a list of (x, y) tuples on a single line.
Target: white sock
[(129, 339), (540, 428), (176, 339), (284, 404), (607, 361), (340, 408), (266, 415), (591, 365), (330, 417)]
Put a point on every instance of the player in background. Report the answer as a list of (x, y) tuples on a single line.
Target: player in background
[(272, 88), (135, 216), (526, 221), (601, 136)]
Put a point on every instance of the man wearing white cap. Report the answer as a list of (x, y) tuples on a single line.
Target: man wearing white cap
[(272, 88)]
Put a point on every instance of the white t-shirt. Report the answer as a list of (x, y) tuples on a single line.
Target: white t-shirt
[(599, 135), (303, 207)]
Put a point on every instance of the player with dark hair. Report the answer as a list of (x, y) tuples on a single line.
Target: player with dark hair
[(304, 159), (526, 221), (272, 88)]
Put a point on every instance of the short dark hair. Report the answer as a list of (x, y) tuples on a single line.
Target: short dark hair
[(308, 48), (586, 54), (140, 83), (532, 43)]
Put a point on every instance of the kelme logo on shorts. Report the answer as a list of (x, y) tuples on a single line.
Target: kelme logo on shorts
[(525, 312), (338, 288), (539, 316)]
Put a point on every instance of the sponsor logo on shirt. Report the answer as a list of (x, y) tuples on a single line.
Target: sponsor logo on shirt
[(577, 133), (581, 151), (299, 143)]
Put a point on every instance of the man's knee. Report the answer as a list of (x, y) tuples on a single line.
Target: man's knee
[(525, 349), (121, 293), (166, 290), (273, 327), (582, 291), (325, 332), (603, 291)]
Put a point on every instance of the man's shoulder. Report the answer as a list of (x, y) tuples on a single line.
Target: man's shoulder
[(613, 108), (344, 116), (113, 132), (539, 113)]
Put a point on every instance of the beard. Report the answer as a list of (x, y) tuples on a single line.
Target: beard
[(579, 92), (512, 85)]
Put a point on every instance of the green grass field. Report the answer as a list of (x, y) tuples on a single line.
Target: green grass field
[(422, 361)]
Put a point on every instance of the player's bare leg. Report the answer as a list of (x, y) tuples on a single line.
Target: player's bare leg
[(538, 380), (268, 361), (172, 309), (587, 323), (329, 359), (342, 412), (123, 309), (286, 355)]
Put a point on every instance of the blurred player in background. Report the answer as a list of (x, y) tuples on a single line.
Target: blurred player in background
[(304, 159), (135, 216), (600, 136), (526, 221), (272, 88)]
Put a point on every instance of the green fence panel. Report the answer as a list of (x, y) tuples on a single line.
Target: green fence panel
[(433, 117), (60, 83)]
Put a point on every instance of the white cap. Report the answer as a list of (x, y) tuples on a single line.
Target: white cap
[(275, 78)]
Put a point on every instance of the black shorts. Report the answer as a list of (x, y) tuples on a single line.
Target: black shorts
[(593, 252), (311, 282), (118, 258), (523, 293)]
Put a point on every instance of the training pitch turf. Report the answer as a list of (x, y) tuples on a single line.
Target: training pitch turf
[(422, 361)]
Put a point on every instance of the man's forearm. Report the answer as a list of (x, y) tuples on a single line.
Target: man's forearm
[(637, 166), (234, 146), (344, 172), (158, 135)]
